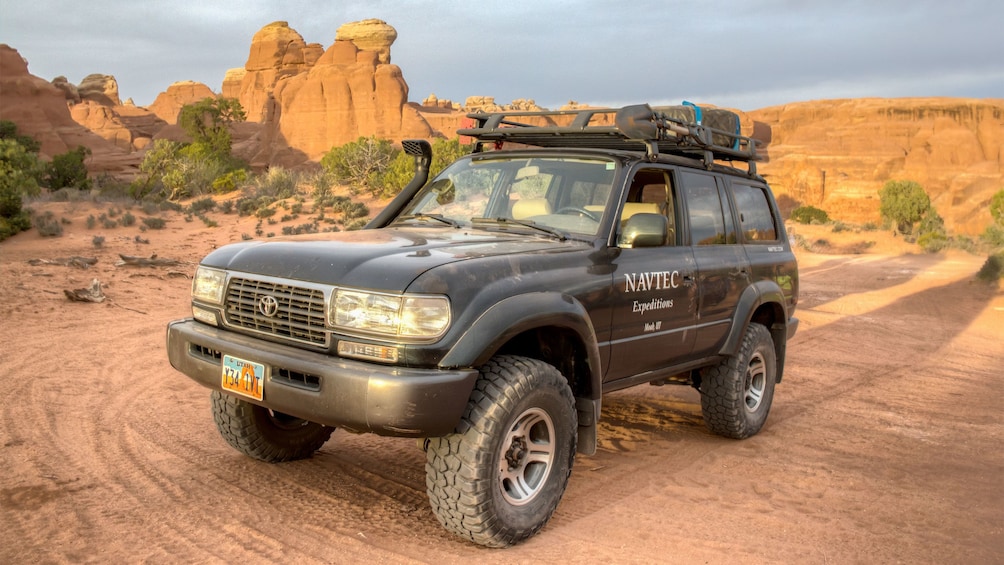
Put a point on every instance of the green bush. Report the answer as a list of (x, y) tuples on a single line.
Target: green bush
[(904, 203), (277, 183), (993, 269), (993, 235), (154, 223), (47, 225), (20, 173), (933, 242), (809, 215), (997, 207), (230, 181), (67, 170), (200, 206), (361, 164)]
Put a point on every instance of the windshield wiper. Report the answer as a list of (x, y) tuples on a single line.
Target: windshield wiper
[(437, 217), (505, 222)]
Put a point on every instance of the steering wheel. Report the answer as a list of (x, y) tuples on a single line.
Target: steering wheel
[(580, 211)]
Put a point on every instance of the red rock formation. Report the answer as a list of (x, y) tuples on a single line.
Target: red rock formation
[(168, 104), (103, 89), (277, 52), (371, 35), (837, 154), (103, 121)]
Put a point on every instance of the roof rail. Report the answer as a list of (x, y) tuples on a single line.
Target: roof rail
[(631, 128)]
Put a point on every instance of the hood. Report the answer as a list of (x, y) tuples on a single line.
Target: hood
[(384, 259)]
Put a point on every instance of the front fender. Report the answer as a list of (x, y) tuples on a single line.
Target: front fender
[(517, 314)]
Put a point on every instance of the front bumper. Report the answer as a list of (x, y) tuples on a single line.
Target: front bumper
[(386, 400)]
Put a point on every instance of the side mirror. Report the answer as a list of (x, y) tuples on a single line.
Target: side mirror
[(645, 230)]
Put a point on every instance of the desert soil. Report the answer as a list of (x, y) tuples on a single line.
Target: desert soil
[(884, 444)]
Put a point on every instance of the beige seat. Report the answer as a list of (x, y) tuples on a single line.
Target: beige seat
[(529, 207), (632, 208)]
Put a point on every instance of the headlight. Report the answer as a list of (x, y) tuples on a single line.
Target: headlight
[(208, 285), (409, 317)]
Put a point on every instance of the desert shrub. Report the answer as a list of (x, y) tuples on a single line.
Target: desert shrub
[(264, 212), (226, 207), (154, 222), (150, 207), (398, 174), (993, 269), (230, 181), (277, 183), (8, 130), (993, 235), (997, 207), (933, 242), (361, 164), (20, 172), (809, 215), (47, 225), (110, 187), (207, 122), (208, 221), (356, 224), (92, 222), (200, 206), (67, 170), (168, 206), (296, 230), (127, 219), (246, 206), (355, 210), (98, 240), (904, 203)]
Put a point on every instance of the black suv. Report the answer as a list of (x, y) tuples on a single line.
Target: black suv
[(487, 310)]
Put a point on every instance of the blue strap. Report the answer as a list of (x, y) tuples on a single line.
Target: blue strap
[(697, 111)]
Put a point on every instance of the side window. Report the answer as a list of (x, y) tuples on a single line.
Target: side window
[(755, 218), (704, 209), (651, 192)]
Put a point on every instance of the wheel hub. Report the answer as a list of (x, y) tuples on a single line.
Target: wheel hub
[(516, 453)]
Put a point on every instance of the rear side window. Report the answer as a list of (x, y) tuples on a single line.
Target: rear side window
[(755, 218), (704, 209)]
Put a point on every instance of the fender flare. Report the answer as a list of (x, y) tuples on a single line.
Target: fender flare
[(516, 314), (755, 295)]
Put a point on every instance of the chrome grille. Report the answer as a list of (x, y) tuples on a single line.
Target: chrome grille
[(300, 315)]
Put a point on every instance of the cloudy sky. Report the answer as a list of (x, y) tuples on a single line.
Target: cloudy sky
[(742, 54)]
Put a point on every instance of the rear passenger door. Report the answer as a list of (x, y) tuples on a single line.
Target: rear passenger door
[(763, 235), (723, 270)]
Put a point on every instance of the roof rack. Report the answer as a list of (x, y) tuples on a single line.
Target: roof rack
[(632, 128)]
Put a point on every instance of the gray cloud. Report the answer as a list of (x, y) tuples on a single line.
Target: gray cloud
[(741, 54)]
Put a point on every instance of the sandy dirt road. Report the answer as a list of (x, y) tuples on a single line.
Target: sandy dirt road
[(884, 444)]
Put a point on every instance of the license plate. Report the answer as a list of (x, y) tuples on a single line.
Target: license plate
[(243, 377)]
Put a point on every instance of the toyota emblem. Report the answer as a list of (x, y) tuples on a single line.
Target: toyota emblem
[(268, 306)]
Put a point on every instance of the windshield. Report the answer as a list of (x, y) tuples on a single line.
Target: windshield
[(567, 194)]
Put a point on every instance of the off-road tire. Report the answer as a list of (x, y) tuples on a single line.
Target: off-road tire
[(265, 435), (737, 393), (498, 478)]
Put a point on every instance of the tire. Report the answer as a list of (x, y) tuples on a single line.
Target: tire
[(736, 394), (263, 434), (483, 482)]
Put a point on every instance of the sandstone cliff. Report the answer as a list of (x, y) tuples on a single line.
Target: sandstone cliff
[(837, 154), (309, 101), (39, 109)]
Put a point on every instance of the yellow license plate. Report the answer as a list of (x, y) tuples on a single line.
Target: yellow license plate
[(243, 377)]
